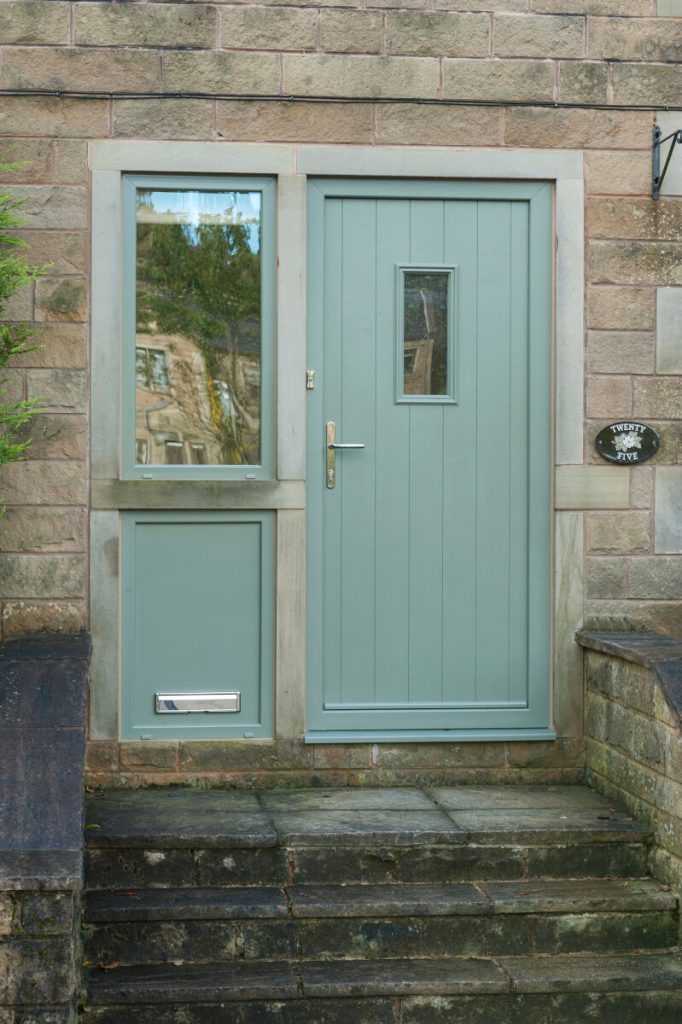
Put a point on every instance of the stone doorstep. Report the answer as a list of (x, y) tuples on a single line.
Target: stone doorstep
[(380, 901), (176, 818), (343, 979)]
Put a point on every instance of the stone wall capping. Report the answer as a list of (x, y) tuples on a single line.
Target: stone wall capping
[(662, 655)]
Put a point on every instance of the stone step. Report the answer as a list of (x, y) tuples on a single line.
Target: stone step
[(508, 990), (335, 921), (176, 837)]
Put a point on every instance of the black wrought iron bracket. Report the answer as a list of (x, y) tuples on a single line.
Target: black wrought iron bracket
[(656, 143)]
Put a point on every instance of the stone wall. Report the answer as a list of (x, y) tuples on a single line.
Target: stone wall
[(634, 746)]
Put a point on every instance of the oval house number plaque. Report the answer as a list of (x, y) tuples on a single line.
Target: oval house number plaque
[(627, 442)]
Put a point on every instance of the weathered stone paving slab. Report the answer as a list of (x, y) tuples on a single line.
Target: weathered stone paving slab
[(478, 798), (398, 977), (585, 896), (177, 817), (183, 904), (352, 828), (385, 900), (209, 982), (405, 799), (545, 826), (594, 973)]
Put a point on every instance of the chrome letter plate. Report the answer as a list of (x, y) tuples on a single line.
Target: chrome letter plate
[(184, 703)]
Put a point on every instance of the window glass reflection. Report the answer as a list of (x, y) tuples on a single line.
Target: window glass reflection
[(425, 332), (198, 327)]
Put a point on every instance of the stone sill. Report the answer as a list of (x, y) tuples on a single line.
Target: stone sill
[(660, 654)]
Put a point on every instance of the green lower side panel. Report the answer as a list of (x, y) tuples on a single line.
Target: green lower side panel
[(197, 618)]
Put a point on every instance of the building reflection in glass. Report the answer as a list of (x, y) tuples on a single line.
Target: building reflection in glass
[(198, 334)]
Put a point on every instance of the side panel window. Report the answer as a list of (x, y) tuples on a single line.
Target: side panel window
[(198, 327)]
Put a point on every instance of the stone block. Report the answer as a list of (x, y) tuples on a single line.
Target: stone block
[(606, 577), (657, 84), (438, 34), (642, 616), (54, 116), (43, 530), (356, 75), (642, 487), (535, 35), (669, 330), (635, 262), (655, 577), (657, 397), (577, 129), (64, 251), (81, 70), (178, 25), (56, 345), (249, 73), (52, 206), (13, 389), (44, 483), (623, 681), (482, 5), (668, 505), (34, 21), (71, 162), (34, 157), (635, 218), (583, 82), (555, 754), (161, 756), (342, 755), (618, 532), (440, 755), (522, 80), (618, 173), (199, 756), (30, 576), (48, 913), (294, 122), (7, 914), (22, 617), (63, 299), (621, 309), (261, 28), (37, 971), (620, 352), (401, 124), (351, 31), (635, 39), (101, 756), (633, 8), (163, 119), (58, 390), (20, 305), (609, 396), (56, 437)]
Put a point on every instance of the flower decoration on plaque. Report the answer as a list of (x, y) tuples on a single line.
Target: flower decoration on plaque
[(627, 442)]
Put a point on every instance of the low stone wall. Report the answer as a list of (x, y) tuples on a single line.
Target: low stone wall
[(43, 690), (633, 741), (260, 764)]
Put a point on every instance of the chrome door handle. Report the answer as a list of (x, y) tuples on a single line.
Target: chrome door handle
[(332, 447)]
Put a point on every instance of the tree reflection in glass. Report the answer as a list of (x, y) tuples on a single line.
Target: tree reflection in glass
[(198, 336)]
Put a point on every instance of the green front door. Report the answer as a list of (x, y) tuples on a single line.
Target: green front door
[(428, 560)]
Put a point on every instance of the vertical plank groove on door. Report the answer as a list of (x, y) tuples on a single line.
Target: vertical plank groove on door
[(356, 467), (426, 495), (459, 462), (332, 330), (519, 455), (492, 611), (392, 483)]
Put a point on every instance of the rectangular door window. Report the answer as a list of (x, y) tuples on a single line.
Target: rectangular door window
[(425, 367), (200, 314)]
